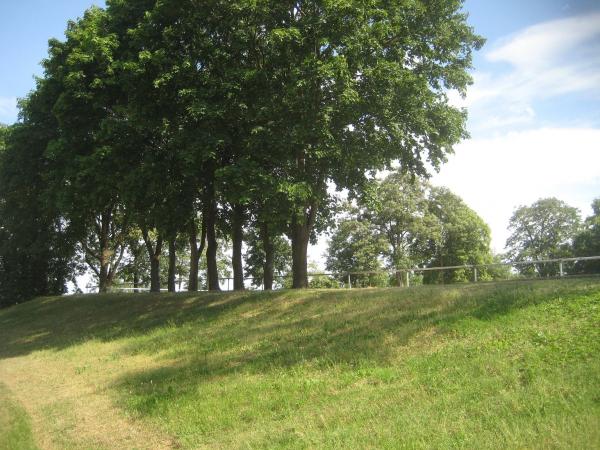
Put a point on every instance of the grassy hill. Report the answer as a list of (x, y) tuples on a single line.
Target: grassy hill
[(505, 365)]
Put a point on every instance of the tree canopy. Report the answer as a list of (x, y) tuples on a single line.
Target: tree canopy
[(543, 230), (405, 223), (164, 119)]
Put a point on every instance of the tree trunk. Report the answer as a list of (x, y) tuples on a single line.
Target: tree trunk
[(104, 251), (212, 271), (194, 263), (195, 253), (154, 274), (136, 281), (154, 255), (268, 266), (172, 262), (103, 278), (399, 280), (299, 255), (300, 233), (237, 236)]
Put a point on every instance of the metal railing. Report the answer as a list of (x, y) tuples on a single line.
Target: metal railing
[(409, 275)]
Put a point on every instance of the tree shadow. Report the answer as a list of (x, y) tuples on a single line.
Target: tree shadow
[(320, 334), (205, 336), (56, 323)]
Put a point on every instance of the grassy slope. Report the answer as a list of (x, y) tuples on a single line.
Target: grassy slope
[(15, 429), (472, 366)]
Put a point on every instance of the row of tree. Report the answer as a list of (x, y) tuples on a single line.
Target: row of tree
[(406, 223), (156, 120)]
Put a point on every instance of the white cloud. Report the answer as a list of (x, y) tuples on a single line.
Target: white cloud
[(539, 45), (8, 110), (544, 61), (495, 175)]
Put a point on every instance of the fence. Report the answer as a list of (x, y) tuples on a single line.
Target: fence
[(543, 268)]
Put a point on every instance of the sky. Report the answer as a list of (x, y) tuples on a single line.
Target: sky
[(534, 106)]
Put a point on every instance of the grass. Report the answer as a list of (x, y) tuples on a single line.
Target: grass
[(492, 365), (15, 429)]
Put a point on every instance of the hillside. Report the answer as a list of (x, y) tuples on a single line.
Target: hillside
[(497, 365)]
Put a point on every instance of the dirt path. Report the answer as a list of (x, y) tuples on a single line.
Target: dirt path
[(70, 408)]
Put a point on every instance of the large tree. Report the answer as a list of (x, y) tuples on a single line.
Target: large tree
[(358, 85), (543, 230), (36, 246), (87, 168)]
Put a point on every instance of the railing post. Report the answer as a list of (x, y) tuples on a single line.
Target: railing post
[(560, 267), (407, 279), (475, 274), (349, 282)]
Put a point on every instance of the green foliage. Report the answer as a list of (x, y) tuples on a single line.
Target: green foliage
[(356, 246), (544, 230), (36, 248), (255, 258), (149, 112), (410, 224), (464, 239), (399, 208), (587, 242)]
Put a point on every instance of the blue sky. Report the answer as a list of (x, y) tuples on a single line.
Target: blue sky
[(534, 107)]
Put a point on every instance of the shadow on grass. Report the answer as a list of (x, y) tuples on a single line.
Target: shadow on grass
[(350, 332), (206, 336), (324, 316), (56, 323)]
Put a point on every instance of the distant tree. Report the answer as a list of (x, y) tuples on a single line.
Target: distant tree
[(409, 224), (257, 265), (464, 238), (357, 245), (399, 208), (544, 230), (136, 265), (321, 281), (587, 242), (3, 133)]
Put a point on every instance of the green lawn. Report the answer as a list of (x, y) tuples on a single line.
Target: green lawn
[(15, 430), (493, 365)]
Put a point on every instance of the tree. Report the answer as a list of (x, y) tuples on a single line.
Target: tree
[(36, 245), (136, 264), (587, 242), (544, 230), (356, 246), (356, 86), (261, 269), (86, 168), (464, 238), (176, 119), (399, 208)]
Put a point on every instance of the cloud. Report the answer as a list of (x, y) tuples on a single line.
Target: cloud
[(540, 62), (8, 110), (497, 174), (540, 45)]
